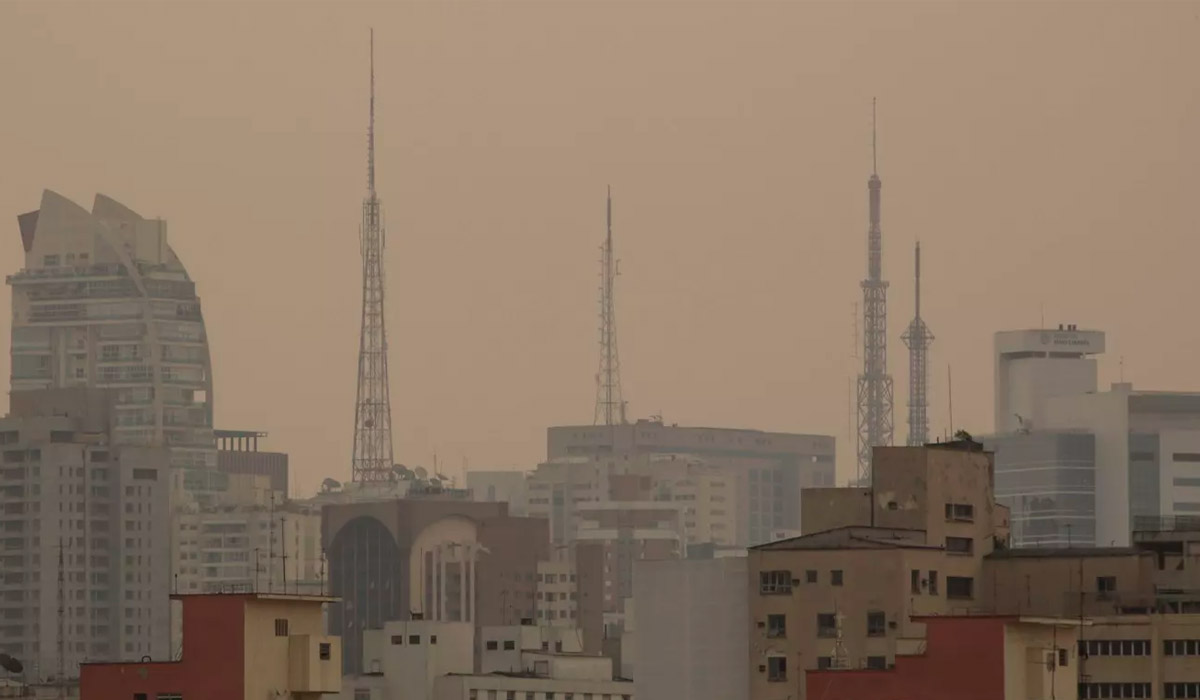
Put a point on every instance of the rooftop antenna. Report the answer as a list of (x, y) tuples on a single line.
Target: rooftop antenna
[(610, 404), (283, 548), (917, 339), (874, 384), (372, 456)]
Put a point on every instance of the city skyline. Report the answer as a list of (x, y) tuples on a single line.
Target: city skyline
[(1040, 189)]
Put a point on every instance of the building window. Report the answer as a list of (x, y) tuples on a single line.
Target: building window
[(776, 669), (323, 650), (1116, 690), (1181, 647), (414, 639), (960, 545), (916, 580), (362, 694), (397, 639), (824, 663), (877, 663), (876, 624), (509, 645), (960, 587), (777, 626), (1180, 690), (775, 582), (1062, 657), (1106, 584), (826, 625), (933, 583), (281, 627), (962, 512), (493, 645), (433, 639), (835, 577), (810, 576)]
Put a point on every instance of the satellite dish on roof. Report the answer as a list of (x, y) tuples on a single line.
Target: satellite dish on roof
[(421, 472)]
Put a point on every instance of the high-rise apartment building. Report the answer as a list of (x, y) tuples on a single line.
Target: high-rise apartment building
[(261, 547), (1101, 462), (1034, 365), (707, 496), (103, 301), (86, 555), (770, 468)]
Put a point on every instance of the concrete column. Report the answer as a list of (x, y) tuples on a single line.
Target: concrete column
[(441, 570)]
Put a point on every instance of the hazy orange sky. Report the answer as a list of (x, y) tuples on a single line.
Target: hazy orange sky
[(1045, 154)]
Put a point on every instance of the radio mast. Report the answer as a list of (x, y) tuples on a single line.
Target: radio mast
[(874, 384), (918, 339), (372, 460)]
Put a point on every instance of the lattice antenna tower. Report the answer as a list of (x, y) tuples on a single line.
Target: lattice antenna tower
[(372, 460), (917, 339), (610, 404), (874, 384)]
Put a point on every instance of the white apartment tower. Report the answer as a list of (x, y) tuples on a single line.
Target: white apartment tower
[(1034, 365), (103, 301), (84, 524)]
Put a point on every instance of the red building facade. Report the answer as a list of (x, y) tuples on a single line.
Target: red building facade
[(232, 645), (966, 658)]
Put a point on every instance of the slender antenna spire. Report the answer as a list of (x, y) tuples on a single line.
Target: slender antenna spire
[(610, 405), (918, 285), (874, 141), (372, 456), (371, 125)]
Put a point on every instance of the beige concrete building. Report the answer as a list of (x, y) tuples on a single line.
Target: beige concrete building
[(770, 468), (706, 494), (557, 594), (844, 595), (856, 591), (248, 547), (427, 660), (693, 641), (86, 549)]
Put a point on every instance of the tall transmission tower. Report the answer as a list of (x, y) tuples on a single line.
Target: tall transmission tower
[(610, 405), (918, 339), (373, 407), (874, 384)]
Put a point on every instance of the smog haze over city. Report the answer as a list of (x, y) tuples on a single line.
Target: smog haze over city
[(1044, 154)]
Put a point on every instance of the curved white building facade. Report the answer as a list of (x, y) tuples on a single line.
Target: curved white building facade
[(103, 301)]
